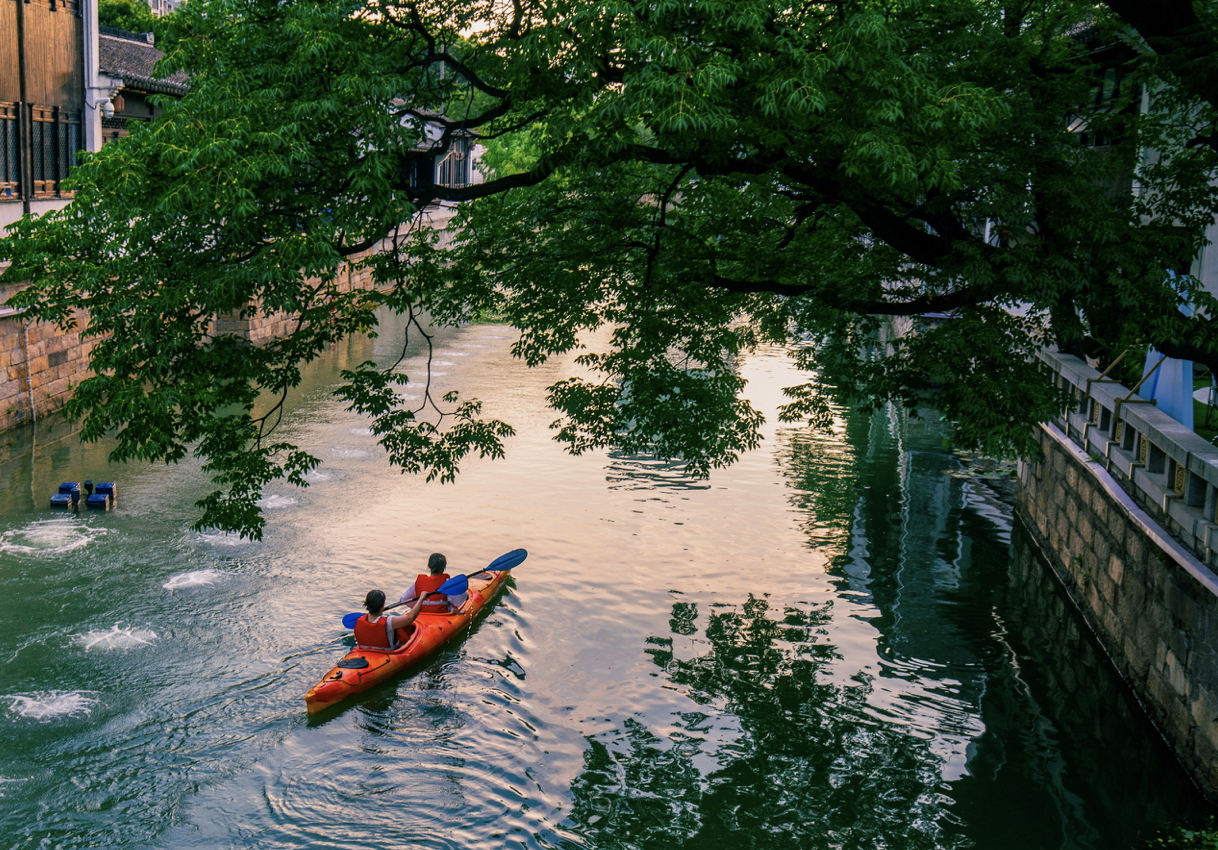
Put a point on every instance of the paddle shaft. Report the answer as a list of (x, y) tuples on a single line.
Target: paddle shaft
[(429, 593), (504, 562)]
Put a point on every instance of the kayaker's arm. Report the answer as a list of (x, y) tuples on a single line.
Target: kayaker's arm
[(402, 620)]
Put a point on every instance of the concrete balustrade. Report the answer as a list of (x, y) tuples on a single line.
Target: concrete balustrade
[(1170, 471)]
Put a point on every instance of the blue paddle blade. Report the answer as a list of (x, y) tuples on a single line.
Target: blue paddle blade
[(455, 586), (506, 561), (349, 619)]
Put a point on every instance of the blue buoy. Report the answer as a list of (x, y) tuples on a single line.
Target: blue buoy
[(102, 496), (68, 495)]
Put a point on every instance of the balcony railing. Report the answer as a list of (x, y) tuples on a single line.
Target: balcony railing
[(1170, 471)]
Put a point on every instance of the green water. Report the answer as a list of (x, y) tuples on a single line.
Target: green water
[(841, 641)]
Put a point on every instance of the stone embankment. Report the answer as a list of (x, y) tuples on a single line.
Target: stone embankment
[(1100, 520), (41, 365)]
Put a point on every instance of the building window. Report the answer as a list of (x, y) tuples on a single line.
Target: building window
[(453, 170), (55, 140), (10, 171)]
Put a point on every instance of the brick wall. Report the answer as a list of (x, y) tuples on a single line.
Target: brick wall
[(1152, 605)]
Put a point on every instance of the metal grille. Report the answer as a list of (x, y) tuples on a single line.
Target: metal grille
[(69, 142), (1178, 483), (42, 151), (1143, 450), (1118, 432), (55, 141), (10, 171)]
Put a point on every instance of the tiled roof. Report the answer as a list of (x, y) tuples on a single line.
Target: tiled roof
[(133, 61)]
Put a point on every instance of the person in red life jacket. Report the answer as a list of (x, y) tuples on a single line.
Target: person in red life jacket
[(426, 583), (378, 630)]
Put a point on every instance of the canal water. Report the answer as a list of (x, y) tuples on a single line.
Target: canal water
[(840, 642)]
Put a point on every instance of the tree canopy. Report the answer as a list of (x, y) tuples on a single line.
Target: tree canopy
[(129, 15), (703, 177)]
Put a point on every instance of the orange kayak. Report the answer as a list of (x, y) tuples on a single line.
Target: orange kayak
[(360, 669)]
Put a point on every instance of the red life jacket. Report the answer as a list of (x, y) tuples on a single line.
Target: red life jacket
[(432, 604), (373, 635)]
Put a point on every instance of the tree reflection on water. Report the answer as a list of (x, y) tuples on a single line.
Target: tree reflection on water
[(809, 764), (993, 720)]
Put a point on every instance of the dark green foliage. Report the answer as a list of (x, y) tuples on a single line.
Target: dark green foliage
[(702, 178), (129, 15), (1187, 839)]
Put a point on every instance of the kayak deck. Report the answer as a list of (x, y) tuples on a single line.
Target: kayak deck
[(361, 669)]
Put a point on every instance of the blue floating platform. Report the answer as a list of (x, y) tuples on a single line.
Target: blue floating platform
[(62, 500), (69, 486), (99, 500), (106, 488)]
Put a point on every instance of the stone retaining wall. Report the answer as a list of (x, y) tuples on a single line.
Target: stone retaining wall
[(260, 328), (1152, 605), (1062, 663), (40, 365)]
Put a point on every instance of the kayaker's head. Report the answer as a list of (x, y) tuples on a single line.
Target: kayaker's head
[(437, 563), (375, 601)]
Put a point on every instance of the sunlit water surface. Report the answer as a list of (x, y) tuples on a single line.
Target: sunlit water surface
[(829, 644)]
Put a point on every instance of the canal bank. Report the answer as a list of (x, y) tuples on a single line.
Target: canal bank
[(829, 644), (1151, 602)]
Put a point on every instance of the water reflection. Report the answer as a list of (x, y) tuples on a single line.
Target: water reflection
[(639, 472), (987, 717), (809, 765), (906, 682)]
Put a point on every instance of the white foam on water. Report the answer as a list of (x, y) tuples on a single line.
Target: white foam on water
[(343, 451), (49, 537), (116, 638), (195, 578), (275, 502), (315, 475), (4, 780), (362, 432), (443, 363), (51, 705), (222, 538)]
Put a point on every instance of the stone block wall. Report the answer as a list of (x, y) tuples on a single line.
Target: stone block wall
[(260, 327), (39, 366), (1152, 605), (1060, 658)]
